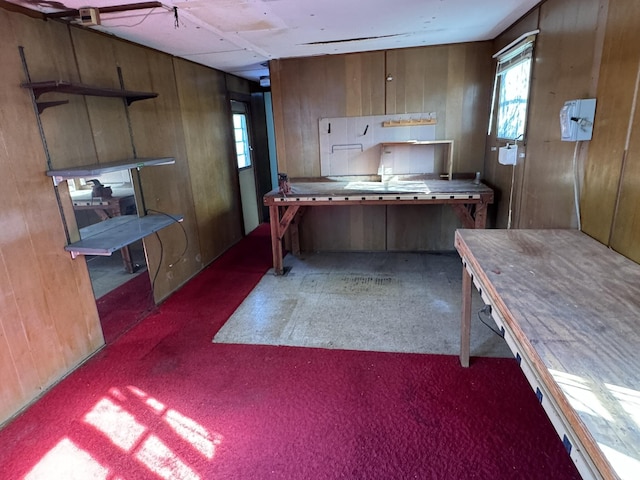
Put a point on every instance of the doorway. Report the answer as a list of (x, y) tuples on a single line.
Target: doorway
[(246, 170)]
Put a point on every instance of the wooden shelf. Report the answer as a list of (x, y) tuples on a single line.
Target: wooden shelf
[(410, 122), (39, 88), (447, 143), (106, 237), (98, 169)]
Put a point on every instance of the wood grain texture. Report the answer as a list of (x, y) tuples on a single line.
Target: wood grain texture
[(615, 94), (625, 232), (157, 132), (497, 175), (307, 89), (206, 120), (454, 81), (49, 322), (64, 125), (572, 304), (107, 116), (565, 51), (626, 227), (526, 24)]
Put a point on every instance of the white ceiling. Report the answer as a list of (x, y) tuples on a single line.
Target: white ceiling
[(241, 36)]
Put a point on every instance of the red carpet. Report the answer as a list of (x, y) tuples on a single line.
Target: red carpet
[(125, 306), (164, 402)]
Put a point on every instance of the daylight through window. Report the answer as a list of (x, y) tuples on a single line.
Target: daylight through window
[(511, 91), (242, 139)]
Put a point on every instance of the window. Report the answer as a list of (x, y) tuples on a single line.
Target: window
[(511, 89), (242, 139)]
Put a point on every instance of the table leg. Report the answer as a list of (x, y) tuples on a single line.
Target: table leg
[(481, 215), (126, 259), (465, 323), (276, 242)]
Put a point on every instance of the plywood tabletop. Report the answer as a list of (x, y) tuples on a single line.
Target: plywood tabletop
[(574, 305), (419, 187)]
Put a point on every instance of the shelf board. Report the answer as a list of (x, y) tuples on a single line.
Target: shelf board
[(106, 237), (38, 88), (100, 168)]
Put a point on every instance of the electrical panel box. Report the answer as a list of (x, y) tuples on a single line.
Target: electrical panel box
[(576, 119)]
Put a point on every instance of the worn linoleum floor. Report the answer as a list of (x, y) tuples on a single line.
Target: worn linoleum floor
[(390, 302)]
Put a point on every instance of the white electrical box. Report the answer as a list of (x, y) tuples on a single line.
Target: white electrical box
[(89, 16), (508, 155), (576, 119)]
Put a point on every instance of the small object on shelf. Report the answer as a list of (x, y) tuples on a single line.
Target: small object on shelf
[(283, 183)]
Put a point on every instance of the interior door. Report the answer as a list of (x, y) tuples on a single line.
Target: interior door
[(246, 170)]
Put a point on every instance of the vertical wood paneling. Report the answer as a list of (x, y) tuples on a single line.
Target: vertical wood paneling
[(454, 81), (157, 132), (49, 321), (303, 91), (497, 175), (564, 57), (307, 89), (206, 121), (625, 234), (343, 229), (107, 116), (616, 86)]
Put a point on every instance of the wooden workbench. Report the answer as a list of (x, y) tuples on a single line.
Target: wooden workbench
[(468, 199), (569, 308)]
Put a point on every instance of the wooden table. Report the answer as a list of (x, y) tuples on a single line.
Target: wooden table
[(469, 200), (569, 308)]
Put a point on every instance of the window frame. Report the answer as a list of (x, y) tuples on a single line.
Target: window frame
[(244, 129), (512, 56)]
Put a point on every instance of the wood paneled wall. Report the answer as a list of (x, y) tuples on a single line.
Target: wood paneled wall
[(307, 89), (566, 50), (611, 201), (452, 80), (583, 50), (49, 321), (212, 163)]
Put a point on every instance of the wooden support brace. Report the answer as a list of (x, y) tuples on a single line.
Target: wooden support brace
[(286, 219), (463, 214)]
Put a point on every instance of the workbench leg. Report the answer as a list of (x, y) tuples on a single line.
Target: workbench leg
[(126, 259), (481, 215), (276, 242), (465, 324)]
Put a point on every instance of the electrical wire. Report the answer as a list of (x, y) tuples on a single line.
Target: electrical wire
[(129, 26), (513, 178), (486, 310), (184, 232), (155, 275), (186, 247), (576, 182)]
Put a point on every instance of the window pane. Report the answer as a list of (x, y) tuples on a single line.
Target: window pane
[(513, 96), (242, 140)]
